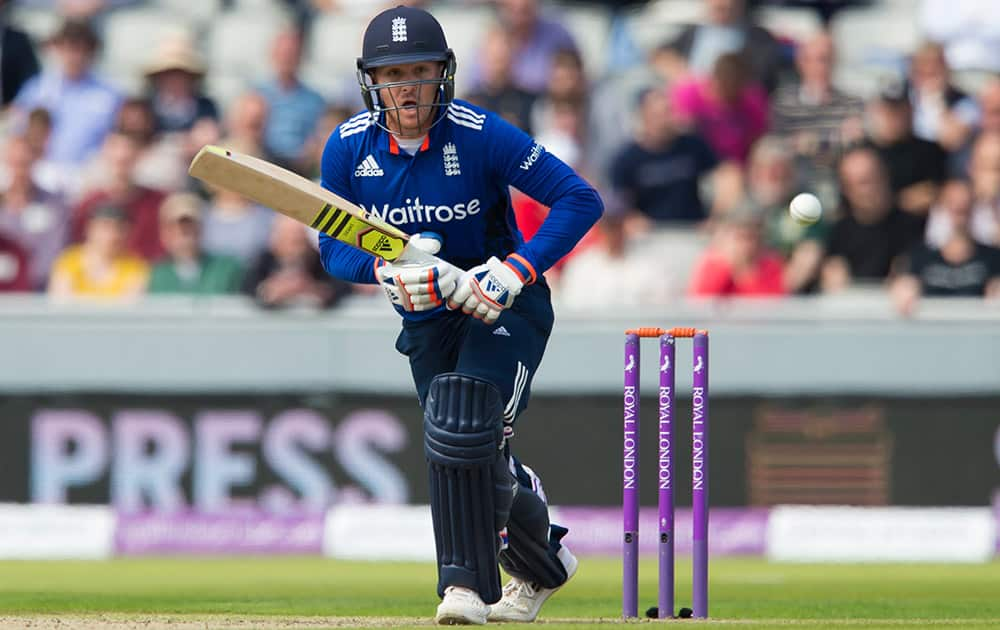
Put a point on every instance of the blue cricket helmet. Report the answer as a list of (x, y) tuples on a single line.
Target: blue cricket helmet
[(403, 35)]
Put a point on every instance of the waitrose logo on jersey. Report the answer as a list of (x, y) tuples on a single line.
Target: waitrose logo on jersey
[(417, 212)]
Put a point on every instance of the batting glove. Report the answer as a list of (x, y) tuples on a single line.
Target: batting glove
[(419, 287), (487, 290)]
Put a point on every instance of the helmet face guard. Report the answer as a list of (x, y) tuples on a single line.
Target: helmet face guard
[(372, 93)]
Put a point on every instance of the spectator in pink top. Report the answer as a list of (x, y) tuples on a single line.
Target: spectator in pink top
[(725, 108)]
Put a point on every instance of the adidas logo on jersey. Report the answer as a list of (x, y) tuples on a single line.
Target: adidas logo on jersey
[(501, 331), (368, 168)]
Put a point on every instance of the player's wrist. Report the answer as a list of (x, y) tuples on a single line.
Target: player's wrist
[(521, 268)]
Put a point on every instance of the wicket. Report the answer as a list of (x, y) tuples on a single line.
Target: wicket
[(665, 476)]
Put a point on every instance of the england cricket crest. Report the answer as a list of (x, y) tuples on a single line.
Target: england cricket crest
[(399, 29)]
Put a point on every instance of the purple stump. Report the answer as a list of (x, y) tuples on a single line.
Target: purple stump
[(699, 474), (630, 480), (665, 478)]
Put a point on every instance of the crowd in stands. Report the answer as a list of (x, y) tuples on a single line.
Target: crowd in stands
[(697, 145)]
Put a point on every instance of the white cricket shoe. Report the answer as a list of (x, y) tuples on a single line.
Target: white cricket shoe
[(461, 607), (522, 600)]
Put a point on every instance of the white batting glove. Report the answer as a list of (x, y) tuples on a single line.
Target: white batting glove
[(419, 287), (486, 290)]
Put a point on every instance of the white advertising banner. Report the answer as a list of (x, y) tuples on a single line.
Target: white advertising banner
[(379, 532), (876, 534), (32, 531)]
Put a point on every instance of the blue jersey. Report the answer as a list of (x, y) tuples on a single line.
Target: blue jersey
[(457, 185)]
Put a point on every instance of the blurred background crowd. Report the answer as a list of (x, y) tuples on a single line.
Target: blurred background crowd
[(698, 120)]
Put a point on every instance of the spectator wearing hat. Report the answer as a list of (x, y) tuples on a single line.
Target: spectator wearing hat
[(118, 187), (289, 273), (18, 62), (915, 167), (100, 267), (736, 262), (14, 274), (187, 268), (174, 74), (30, 215), (82, 105), (961, 267), (294, 107), (816, 119), (871, 233)]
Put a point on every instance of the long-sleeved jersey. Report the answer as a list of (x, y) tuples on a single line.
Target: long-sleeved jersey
[(457, 185)]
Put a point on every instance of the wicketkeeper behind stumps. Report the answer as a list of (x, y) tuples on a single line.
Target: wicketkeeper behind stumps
[(429, 163)]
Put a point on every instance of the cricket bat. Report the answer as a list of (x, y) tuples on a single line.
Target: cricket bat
[(305, 201)]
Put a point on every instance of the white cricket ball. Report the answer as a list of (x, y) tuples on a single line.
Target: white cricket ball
[(805, 208)]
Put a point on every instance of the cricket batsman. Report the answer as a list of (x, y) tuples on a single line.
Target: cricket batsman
[(476, 318)]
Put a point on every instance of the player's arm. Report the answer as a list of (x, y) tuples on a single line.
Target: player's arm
[(486, 290), (339, 259), (574, 205)]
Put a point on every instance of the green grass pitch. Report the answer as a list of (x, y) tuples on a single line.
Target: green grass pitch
[(283, 593)]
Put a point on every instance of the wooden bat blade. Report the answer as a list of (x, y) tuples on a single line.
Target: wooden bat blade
[(303, 200)]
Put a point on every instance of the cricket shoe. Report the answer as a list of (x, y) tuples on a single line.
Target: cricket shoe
[(461, 607), (522, 600)]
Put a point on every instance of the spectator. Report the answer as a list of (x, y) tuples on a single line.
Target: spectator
[(728, 29), (48, 174), (534, 40), (14, 266), (290, 273), (36, 219), (984, 223), (916, 167), (815, 118), (496, 90), (942, 113), (162, 162), (726, 109), (610, 274), (969, 30), (246, 120), (100, 267), (120, 156), (174, 73), (235, 226), (566, 98), (18, 62), (186, 268), (78, 9), (657, 175), (333, 116), (961, 267), (736, 262), (988, 102), (295, 108), (83, 106), (771, 184), (871, 233)]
